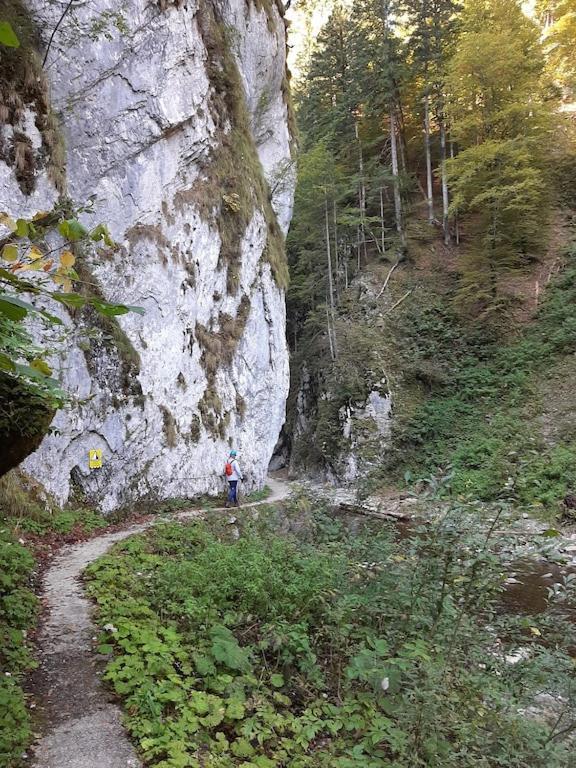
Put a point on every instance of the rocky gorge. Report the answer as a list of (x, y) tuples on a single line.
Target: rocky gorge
[(170, 122)]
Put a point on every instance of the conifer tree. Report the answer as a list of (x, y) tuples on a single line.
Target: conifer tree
[(433, 37), (499, 118)]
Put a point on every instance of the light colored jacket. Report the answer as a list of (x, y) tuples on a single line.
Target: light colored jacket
[(236, 472)]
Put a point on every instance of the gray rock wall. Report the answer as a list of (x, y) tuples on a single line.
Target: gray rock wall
[(152, 136)]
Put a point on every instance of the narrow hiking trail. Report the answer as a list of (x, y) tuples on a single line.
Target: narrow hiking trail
[(80, 727)]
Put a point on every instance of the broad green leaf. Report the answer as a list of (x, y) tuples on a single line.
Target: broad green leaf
[(22, 228), (100, 233), (72, 230), (235, 710), (11, 310), (31, 373), (5, 275), (277, 680), (73, 300), (109, 310), (10, 253), (8, 37), (242, 748), (19, 302), (105, 648), (6, 364)]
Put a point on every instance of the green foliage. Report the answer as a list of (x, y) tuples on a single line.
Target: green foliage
[(481, 403), (18, 608), (7, 35), (327, 650)]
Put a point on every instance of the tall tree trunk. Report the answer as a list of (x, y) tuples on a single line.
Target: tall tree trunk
[(361, 192), (397, 197), (445, 200), (330, 342), (333, 345), (429, 188), (383, 228), (456, 222), (336, 251)]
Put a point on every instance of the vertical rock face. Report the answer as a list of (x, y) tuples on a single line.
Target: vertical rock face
[(176, 126)]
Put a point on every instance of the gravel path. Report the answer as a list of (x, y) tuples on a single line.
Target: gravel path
[(81, 728)]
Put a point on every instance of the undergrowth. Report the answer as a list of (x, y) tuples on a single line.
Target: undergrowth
[(329, 650), (27, 519), (18, 607), (478, 400)]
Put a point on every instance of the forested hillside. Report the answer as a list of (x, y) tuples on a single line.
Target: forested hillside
[(431, 250)]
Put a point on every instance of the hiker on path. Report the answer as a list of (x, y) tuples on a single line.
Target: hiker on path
[(233, 476)]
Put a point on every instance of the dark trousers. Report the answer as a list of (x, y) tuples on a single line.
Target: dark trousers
[(233, 491)]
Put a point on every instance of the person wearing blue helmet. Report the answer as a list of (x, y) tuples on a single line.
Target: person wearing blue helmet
[(233, 476)]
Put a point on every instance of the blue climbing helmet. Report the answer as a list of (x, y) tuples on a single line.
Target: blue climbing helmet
[(233, 454)]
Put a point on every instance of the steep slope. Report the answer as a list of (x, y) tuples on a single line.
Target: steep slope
[(175, 123)]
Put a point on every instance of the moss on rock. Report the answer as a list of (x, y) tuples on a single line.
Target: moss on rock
[(233, 186), (23, 85)]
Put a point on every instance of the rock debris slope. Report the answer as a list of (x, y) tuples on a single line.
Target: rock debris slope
[(175, 123)]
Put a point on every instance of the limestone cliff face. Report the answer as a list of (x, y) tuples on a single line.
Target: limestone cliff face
[(176, 126)]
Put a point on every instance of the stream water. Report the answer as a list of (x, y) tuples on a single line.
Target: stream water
[(528, 580)]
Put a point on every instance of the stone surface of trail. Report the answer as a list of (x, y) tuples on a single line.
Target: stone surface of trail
[(81, 727)]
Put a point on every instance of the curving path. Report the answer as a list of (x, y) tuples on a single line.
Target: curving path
[(81, 728)]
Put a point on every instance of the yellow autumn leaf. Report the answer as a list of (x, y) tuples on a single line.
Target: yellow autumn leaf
[(67, 259), (8, 221), (39, 215), (535, 631), (42, 366), (34, 266), (35, 253), (65, 282), (10, 253)]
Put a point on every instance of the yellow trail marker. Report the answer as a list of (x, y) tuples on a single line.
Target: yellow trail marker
[(95, 458)]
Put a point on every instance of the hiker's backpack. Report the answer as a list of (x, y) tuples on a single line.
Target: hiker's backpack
[(228, 471)]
